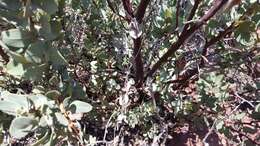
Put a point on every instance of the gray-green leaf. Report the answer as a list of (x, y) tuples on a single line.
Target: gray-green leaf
[(49, 29), (15, 69), (61, 119), (21, 126), (17, 38), (55, 57), (9, 107), (12, 5), (35, 52), (53, 94), (49, 6), (80, 107)]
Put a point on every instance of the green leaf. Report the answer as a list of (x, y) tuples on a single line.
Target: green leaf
[(12, 5), (219, 125), (9, 107), (211, 28), (80, 107), (66, 102), (257, 108), (61, 119), (13, 18), (28, 71), (15, 69), (35, 72), (17, 38), (35, 52), (168, 13), (255, 115), (85, 3), (256, 19), (244, 31), (52, 140), (248, 129), (55, 57), (18, 57), (77, 90), (246, 26), (21, 126), (50, 29), (240, 116), (38, 100), (53, 94), (22, 100), (49, 6), (252, 1), (43, 122), (43, 139)]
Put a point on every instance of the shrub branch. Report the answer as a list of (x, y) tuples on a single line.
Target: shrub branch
[(186, 34), (4, 55), (137, 53)]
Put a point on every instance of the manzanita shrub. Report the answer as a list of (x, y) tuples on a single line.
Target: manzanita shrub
[(44, 115), (129, 72), (48, 114)]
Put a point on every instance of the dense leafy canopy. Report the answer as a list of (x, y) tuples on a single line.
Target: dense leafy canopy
[(169, 72)]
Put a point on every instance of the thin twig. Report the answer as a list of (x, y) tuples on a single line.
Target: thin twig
[(107, 125), (185, 35), (244, 100), (4, 55), (177, 14)]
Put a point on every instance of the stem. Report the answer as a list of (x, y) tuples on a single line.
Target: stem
[(141, 10), (4, 55), (185, 35), (137, 53)]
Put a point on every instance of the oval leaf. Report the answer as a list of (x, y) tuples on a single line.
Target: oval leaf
[(61, 119), (18, 57), (53, 94), (17, 38), (9, 107), (21, 126), (35, 72), (35, 52), (55, 57), (38, 100), (80, 107), (22, 101), (49, 29), (15, 69), (12, 5)]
